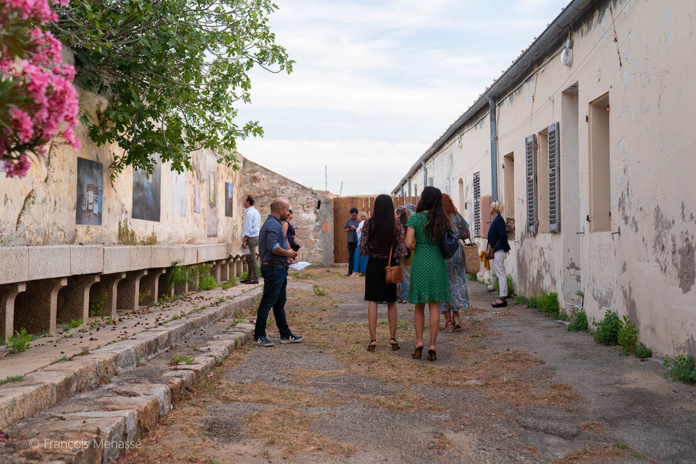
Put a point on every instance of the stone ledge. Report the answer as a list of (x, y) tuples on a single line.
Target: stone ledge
[(20, 400), (23, 264), (14, 262)]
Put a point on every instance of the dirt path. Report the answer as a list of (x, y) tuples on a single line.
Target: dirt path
[(512, 386)]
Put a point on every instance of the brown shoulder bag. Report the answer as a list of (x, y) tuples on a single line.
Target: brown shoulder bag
[(394, 274)]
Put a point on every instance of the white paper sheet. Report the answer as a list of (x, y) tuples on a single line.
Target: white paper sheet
[(299, 266)]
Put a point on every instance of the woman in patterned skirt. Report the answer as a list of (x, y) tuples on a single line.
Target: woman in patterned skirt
[(456, 268), (429, 282)]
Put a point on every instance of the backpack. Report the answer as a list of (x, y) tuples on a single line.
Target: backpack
[(449, 244)]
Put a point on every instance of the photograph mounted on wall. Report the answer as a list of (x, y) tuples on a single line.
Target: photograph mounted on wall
[(229, 199), (212, 197), (196, 199), (179, 194), (90, 191), (146, 192)]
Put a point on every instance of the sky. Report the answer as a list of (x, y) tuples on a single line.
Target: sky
[(375, 83)]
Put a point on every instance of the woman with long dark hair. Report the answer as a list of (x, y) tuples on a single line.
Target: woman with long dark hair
[(429, 279), (381, 234)]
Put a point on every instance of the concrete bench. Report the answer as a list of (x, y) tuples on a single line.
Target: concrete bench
[(44, 286)]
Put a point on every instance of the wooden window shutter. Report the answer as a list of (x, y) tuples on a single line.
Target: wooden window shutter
[(477, 204), (554, 178), (531, 152)]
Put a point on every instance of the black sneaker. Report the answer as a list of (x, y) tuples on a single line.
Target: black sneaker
[(292, 339), (263, 341)]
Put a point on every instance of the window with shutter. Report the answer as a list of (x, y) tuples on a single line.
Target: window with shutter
[(477, 204), (554, 178), (531, 148)]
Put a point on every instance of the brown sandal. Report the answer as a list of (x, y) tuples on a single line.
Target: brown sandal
[(370, 347), (395, 346)]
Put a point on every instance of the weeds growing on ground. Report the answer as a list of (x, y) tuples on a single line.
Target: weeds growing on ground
[(579, 322), (188, 360), (73, 324), (230, 283), (548, 304), (683, 369), (607, 332), (319, 292), (20, 341), (643, 351), (628, 337), (16, 378), (178, 275), (207, 283)]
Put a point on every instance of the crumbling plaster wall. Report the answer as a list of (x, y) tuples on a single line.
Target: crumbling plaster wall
[(648, 271), (455, 161), (313, 211), (643, 54), (41, 208)]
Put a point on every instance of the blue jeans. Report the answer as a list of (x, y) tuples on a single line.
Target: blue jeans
[(404, 289), (351, 256), (275, 282)]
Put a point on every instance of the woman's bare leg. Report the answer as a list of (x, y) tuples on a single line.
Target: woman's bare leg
[(434, 307), (419, 320)]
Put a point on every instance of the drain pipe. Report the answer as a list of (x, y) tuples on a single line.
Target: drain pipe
[(425, 174), (409, 187), (494, 149)]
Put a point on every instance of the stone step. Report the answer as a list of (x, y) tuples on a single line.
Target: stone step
[(102, 424), (53, 384)]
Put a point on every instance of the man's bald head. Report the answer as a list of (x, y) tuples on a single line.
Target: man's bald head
[(280, 208), (279, 204)]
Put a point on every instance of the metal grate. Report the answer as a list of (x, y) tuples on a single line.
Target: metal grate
[(531, 151), (477, 204), (554, 179)]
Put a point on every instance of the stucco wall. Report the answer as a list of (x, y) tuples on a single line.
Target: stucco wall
[(313, 211), (643, 54), (41, 208)]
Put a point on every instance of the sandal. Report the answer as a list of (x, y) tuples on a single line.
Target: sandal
[(449, 327), (432, 355), (417, 353), (456, 321), (499, 303), (370, 347), (401, 300), (395, 346)]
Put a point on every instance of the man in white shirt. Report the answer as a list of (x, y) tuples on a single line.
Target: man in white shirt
[(252, 227)]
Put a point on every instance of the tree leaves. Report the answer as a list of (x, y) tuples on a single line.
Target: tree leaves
[(172, 71)]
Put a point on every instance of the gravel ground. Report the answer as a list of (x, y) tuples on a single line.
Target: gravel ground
[(512, 386)]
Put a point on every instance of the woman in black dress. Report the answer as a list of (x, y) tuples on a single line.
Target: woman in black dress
[(290, 232), (380, 234)]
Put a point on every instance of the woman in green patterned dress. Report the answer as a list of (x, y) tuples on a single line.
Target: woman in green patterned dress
[(429, 279)]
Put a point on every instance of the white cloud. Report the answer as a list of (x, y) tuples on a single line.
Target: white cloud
[(392, 74)]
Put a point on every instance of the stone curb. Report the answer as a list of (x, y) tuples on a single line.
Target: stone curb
[(52, 384)]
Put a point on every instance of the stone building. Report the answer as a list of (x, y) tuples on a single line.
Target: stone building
[(587, 139), (312, 210)]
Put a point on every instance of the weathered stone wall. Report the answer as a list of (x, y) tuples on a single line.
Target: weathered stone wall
[(313, 210)]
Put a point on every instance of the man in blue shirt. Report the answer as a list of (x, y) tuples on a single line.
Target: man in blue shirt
[(351, 227), (250, 239), (275, 257)]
